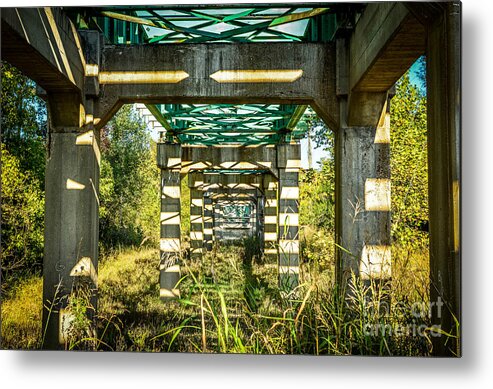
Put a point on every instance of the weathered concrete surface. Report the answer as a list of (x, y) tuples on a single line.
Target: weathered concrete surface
[(200, 61), (208, 222), (232, 182), (170, 243), (195, 183), (289, 163), (444, 121), (92, 43), (195, 158), (386, 41), (362, 202), (270, 219), (71, 223), (365, 108), (43, 44)]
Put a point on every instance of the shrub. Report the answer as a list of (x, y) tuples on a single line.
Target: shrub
[(22, 220)]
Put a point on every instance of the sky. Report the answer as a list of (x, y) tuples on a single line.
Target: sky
[(413, 76), (317, 153)]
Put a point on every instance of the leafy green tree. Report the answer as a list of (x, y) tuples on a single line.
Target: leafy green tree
[(22, 219), (23, 121), (317, 186), (129, 184), (409, 173), (317, 196), (409, 169)]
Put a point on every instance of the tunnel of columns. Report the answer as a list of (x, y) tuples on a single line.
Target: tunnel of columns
[(340, 59)]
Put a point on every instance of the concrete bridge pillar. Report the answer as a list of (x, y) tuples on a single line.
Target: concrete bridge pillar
[(444, 121), (270, 220), (195, 182), (362, 156), (169, 159), (71, 220), (208, 223), (288, 162)]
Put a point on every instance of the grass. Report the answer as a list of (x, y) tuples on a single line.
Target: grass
[(21, 315), (230, 303)]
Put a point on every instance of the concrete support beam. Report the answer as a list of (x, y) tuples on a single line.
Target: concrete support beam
[(195, 182), (208, 223), (232, 182), (444, 121), (386, 41), (365, 108), (270, 220), (363, 202), (357, 108), (219, 73), (198, 158), (44, 44), (71, 227), (92, 43), (289, 163), (170, 244), (226, 192)]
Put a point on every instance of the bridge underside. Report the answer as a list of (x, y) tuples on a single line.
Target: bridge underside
[(228, 93)]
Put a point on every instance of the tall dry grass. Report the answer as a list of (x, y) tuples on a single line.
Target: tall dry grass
[(230, 303)]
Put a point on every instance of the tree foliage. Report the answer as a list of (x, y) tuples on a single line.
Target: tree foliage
[(23, 163), (409, 169), (317, 199), (129, 183), (23, 121), (22, 217), (317, 186)]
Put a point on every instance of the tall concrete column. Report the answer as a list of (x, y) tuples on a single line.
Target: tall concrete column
[(71, 227), (208, 223), (444, 120), (196, 181), (169, 159), (270, 220), (362, 159), (288, 162)]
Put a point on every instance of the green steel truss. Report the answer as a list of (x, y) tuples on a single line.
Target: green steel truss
[(251, 124), (244, 124), (236, 171), (216, 23)]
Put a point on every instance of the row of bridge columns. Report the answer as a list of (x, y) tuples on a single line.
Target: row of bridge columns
[(361, 155), (363, 208), (275, 212), (363, 218)]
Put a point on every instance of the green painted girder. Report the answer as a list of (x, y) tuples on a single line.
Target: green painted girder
[(246, 124), (210, 23), (196, 124), (217, 140), (159, 117), (240, 28), (236, 171), (254, 108), (253, 115)]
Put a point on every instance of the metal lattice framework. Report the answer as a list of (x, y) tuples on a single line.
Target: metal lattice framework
[(199, 24), (250, 124), (245, 124)]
